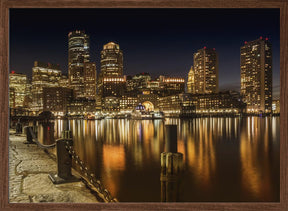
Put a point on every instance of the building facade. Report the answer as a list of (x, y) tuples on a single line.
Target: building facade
[(127, 104), (43, 75), (81, 107), (191, 81), (56, 99), (206, 71), (78, 54), (111, 60), (179, 105), (90, 79), (256, 75), (113, 86), (172, 85), (64, 81), (111, 81), (12, 97), (222, 103), (18, 86)]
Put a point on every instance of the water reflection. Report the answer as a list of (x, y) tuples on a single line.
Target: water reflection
[(225, 159)]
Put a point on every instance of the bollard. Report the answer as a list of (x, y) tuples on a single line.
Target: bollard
[(171, 138), (18, 127), (46, 130), (64, 163), (35, 128), (171, 166), (29, 138)]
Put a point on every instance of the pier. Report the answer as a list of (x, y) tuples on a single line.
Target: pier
[(29, 167)]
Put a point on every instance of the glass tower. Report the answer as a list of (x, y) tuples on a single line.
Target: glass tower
[(78, 54), (206, 71), (256, 75)]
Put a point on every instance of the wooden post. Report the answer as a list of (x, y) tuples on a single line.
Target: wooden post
[(171, 166)]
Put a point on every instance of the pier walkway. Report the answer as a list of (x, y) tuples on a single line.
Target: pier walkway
[(29, 167)]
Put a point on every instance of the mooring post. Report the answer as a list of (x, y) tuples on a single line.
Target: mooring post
[(29, 138), (35, 128), (64, 163), (19, 127), (171, 166)]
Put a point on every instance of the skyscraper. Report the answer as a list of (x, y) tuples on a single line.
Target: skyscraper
[(256, 75), (190, 82), (90, 76), (111, 67), (78, 54), (111, 60), (17, 85), (206, 71)]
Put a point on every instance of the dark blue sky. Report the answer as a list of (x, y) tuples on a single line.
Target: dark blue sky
[(158, 41)]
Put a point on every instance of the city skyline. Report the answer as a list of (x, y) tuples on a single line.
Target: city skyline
[(161, 41)]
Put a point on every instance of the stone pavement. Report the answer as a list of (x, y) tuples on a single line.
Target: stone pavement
[(29, 167)]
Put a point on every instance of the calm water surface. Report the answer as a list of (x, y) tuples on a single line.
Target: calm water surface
[(225, 159)]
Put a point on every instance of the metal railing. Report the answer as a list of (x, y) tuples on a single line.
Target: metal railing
[(35, 140), (65, 155)]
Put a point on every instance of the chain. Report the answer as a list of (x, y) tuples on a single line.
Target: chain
[(38, 143), (90, 177)]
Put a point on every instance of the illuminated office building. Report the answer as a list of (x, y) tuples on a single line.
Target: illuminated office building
[(64, 81), (111, 73), (43, 75), (179, 105), (113, 86), (11, 97), (90, 77), (127, 103), (140, 81), (218, 103), (28, 94), (78, 54), (111, 60), (172, 85), (191, 81), (256, 75), (111, 104), (206, 71), (81, 107), (17, 85), (154, 87), (56, 99)]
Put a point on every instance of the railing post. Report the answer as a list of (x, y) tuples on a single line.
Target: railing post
[(29, 138), (18, 127), (64, 163), (171, 166)]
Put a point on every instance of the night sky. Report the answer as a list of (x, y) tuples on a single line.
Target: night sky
[(158, 41)]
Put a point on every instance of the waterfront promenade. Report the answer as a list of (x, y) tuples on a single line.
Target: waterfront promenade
[(29, 167)]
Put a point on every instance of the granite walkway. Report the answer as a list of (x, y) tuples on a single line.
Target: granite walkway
[(29, 167)]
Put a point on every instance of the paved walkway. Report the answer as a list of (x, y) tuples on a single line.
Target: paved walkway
[(29, 167)]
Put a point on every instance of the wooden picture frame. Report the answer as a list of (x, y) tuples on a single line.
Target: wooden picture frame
[(4, 87)]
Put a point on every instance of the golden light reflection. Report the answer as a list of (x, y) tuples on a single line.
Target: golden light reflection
[(113, 162), (200, 151), (115, 147), (255, 158), (114, 157)]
